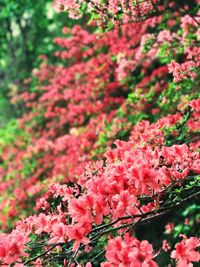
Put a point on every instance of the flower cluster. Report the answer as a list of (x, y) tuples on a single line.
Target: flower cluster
[(12, 247), (109, 141), (185, 252), (129, 252), (120, 12)]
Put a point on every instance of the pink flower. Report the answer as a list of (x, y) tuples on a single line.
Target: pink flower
[(78, 233), (12, 246), (142, 255), (41, 223), (196, 166), (129, 252), (185, 252), (80, 209), (182, 71), (169, 228), (124, 203), (165, 246), (59, 233), (88, 264)]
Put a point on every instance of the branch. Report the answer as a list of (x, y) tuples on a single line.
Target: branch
[(43, 254), (145, 217), (107, 228)]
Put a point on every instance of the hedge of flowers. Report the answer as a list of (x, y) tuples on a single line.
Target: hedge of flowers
[(107, 151)]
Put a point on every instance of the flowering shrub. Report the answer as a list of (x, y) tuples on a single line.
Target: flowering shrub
[(109, 143), (119, 12)]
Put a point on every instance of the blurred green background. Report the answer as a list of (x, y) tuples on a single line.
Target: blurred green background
[(27, 29)]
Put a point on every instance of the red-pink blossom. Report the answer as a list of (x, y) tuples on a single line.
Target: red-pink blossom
[(185, 252)]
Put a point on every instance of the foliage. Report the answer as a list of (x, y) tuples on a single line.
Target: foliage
[(27, 28), (107, 152)]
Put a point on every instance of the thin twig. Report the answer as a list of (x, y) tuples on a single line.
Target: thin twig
[(43, 254)]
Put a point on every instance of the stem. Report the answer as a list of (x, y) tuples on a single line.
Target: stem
[(43, 254), (143, 217)]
